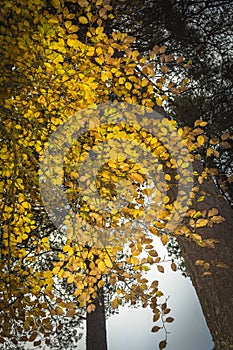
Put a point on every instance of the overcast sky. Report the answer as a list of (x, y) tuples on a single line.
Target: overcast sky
[(131, 328)]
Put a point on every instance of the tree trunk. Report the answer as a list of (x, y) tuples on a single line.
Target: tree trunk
[(96, 338), (215, 292)]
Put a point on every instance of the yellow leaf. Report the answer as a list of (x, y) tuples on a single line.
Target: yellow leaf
[(108, 262), (200, 140), (112, 163), (73, 43), (197, 214), (57, 58), (180, 132), (150, 260), (201, 199), (83, 3), (222, 265), (126, 274), (90, 308), (167, 177), (56, 4), (60, 273), (68, 24), (56, 270), (144, 82), (66, 248), (201, 222), (134, 260), (59, 311), (26, 205), (159, 101), (101, 266), (156, 316), (99, 30), (217, 219), (99, 51), (136, 177), (128, 85), (145, 268), (164, 239), (199, 262), (70, 279), (206, 266), (213, 211), (104, 76), (150, 89), (115, 303), (100, 283), (196, 237), (66, 274), (91, 51), (164, 97), (53, 21), (48, 274), (207, 273), (121, 80), (73, 29), (70, 251), (153, 230), (83, 20), (203, 124)]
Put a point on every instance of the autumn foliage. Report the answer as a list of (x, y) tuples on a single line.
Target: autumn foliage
[(57, 59)]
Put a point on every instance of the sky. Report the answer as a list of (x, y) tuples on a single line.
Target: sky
[(131, 328)]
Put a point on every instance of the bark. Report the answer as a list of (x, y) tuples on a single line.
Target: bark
[(215, 292), (96, 338)]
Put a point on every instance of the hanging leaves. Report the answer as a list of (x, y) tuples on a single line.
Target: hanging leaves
[(160, 268), (173, 266), (162, 344), (155, 329)]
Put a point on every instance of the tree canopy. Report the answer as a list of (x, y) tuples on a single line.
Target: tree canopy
[(69, 85)]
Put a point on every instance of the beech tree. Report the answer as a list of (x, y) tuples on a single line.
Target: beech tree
[(69, 86)]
